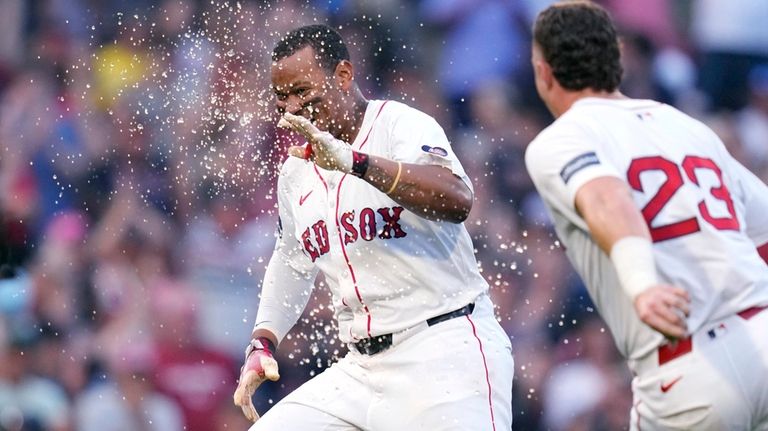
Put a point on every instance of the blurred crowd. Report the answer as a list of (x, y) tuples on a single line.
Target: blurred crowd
[(138, 158)]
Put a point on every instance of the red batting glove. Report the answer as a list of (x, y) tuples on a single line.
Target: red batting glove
[(259, 366)]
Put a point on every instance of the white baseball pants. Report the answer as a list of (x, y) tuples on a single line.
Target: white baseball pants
[(455, 375), (720, 384)]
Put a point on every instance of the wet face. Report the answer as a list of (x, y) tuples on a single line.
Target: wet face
[(302, 87)]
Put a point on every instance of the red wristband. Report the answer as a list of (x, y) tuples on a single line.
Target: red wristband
[(359, 164), (260, 343)]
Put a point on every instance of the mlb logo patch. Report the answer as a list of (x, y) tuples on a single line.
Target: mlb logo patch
[(438, 151)]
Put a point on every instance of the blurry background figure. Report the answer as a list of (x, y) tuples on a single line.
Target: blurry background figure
[(195, 376), (752, 122), (128, 401), (483, 42), (731, 38), (223, 254), (27, 401), (138, 153)]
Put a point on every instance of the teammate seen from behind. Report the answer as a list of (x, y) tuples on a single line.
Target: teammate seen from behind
[(664, 226), (375, 201)]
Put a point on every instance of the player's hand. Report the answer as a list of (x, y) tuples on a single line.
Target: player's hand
[(259, 366), (325, 150), (664, 308)]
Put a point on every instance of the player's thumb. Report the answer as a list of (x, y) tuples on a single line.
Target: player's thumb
[(269, 365), (243, 391), (297, 151)]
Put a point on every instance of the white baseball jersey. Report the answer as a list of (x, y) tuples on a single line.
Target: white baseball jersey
[(705, 211), (388, 268)]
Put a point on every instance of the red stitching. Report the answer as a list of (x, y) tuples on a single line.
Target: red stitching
[(485, 365), (338, 230)]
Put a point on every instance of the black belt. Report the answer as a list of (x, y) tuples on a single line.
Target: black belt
[(374, 345)]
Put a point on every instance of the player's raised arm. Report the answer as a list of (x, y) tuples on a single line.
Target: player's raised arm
[(620, 231), (431, 191)]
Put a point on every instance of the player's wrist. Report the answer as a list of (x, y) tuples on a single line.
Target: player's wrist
[(260, 344), (635, 266), (341, 153), (359, 164)]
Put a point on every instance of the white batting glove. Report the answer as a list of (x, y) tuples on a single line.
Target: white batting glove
[(326, 151), (259, 366)]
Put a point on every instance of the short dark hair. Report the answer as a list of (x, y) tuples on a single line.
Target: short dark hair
[(579, 41), (327, 43)]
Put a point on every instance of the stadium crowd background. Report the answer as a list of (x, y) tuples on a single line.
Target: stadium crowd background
[(138, 158)]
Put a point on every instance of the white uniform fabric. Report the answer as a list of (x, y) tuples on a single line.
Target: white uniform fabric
[(722, 384), (455, 375), (389, 271), (707, 215)]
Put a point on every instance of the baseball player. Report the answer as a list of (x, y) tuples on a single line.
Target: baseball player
[(375, 201), (663, 225)]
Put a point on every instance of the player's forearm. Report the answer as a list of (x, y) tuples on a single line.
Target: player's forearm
[(284, 295), (607, 206), (619, 229), (430, 191)]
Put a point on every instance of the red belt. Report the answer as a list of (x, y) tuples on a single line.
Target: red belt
[(671, 351)]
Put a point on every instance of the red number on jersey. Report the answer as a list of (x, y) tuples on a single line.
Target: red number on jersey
[(690, 164), (674, 180)]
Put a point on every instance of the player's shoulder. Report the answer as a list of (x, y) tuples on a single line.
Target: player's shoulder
[(292, 169), (291, 166), (568, 127), (394, 112), (394, 107)]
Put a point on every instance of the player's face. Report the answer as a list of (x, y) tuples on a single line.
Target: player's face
[(302, 87)]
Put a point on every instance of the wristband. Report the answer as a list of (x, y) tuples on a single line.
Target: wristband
[(359, 164), (260, 343), (633, 260)]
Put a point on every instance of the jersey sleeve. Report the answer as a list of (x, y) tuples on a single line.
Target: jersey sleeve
[(417, 138), (289, 278), (564, 158)]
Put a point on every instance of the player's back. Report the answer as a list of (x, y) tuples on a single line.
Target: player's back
[(695, 198)]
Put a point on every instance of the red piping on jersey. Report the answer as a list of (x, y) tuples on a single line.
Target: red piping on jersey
[(485, 365), (346, 258), (338, 229), (321, 177), (365, 141)]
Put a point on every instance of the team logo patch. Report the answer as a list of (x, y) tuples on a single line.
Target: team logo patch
[(438, 151), (578, 163)]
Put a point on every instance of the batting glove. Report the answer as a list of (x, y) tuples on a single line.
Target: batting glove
[(326, 151), (259, 366)]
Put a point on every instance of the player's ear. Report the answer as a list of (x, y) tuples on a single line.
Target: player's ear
[(541, 69), (544, 72), (344, 74)]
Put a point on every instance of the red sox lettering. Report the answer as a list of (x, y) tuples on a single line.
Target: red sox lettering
[(366, 226)]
